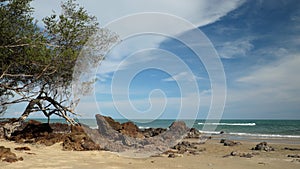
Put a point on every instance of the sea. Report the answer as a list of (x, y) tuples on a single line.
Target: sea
[(250, 130)]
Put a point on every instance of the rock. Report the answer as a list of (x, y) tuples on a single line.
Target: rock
[(291, 149), (171, 156), (246, 155), (229, 142), (73, 138), (193, 133), (114, 124), (222, 132), (61, 128), (294, 155), (79, 141), (22, 148), (296, 160), (187, 147), (131, 130), (8, 156), (151, 132), (177, 131), (128, 128), (233, 153), (36, 132), (178, 126), (105, 129), (263, 146), (153, 141)]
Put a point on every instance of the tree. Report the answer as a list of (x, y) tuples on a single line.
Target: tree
[(37, 65)]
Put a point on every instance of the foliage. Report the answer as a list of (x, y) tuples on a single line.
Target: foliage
[(36, 65)]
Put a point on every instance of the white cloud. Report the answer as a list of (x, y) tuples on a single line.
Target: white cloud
[(237, 48), (198, 12), (185, 76), (279, 76), (271, 91)]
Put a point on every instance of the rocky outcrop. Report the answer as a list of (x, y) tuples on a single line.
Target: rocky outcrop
[(114, 124), (263, 146), (73, 138), (113, 140), (128, 128), (8, 156), (35, 132)]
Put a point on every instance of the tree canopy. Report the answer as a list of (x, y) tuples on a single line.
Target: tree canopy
[(37, 64)]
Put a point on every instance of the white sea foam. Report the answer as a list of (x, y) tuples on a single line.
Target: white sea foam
[(228, 124), (143, 127), (253, 135)]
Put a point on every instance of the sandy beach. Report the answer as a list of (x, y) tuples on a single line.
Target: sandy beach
[(54, 157)]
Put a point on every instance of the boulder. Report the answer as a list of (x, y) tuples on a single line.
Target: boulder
[(193, 133), (8, 156), (22, 148), (229, 142), (294, 155), (172, 155), (263, 146), (235, 153), (291, 149)]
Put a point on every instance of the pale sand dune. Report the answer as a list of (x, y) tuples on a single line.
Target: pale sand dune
[(53, 157)]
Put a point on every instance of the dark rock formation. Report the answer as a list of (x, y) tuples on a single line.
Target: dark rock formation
[(246, 155), (114, 124), (22, 148), (294, 155), (188, 147), (151, 132), (193, 133), (130, 129), (296, 160), (8, 156), (229, 142), (291, 149), (73, 138), (127, 138), (79, 142), (172, 155), (263, 146)]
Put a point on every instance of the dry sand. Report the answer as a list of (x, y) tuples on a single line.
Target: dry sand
[(42, 157)]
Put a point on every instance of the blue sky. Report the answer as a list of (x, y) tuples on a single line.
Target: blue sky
[(257, 42)]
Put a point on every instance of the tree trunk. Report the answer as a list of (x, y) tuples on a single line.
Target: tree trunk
[(10, 128)]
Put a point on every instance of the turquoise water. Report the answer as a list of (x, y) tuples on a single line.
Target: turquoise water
[(238, 128)]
